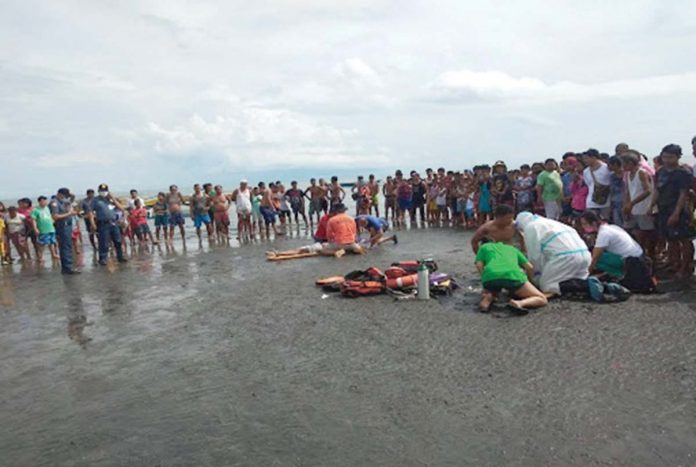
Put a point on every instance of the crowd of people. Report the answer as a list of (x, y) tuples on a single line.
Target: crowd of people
[(649, 199)]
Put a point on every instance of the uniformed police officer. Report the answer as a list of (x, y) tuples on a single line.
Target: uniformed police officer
[(103, 220), (62, 213)]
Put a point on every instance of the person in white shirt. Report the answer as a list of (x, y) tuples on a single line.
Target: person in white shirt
[(597, 176), (637, 197), (618, 254), (133, 198)]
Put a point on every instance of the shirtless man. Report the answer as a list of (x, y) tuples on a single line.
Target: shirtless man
[(374, 194), (500, 229), (316, 194), (199, 204), (221, 219), (174, 201), (269, 210), (325, 200), (336, 192)]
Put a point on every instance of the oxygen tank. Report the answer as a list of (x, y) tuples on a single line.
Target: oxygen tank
[(423, 282)]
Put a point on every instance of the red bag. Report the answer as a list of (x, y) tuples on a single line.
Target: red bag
[(354, 289)]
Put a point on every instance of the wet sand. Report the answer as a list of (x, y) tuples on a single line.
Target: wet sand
[(220, 358)]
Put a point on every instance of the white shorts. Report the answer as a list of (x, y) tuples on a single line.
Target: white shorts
[(552, 209)]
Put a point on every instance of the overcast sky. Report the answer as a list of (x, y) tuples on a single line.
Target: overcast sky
[(145, 93)]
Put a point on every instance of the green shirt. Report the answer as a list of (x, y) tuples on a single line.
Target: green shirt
[(44, 220), (552, 185), (501, 262)]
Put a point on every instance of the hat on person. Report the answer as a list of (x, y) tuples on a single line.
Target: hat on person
[(499, 163), (103, 187), (244, 181), (64, 191)]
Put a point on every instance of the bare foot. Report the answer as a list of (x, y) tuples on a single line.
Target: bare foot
[(339, 253)]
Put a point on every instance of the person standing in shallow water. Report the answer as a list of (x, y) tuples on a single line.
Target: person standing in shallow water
[(104, 222), (63, 212)]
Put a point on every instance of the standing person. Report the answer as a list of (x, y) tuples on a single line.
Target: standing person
[(175, 201), (296, 197), (672, 184), (597, 177), (616, 195), (85, 207), (578, 195), (199, 203), (502, 189), (404, 197), (4, 247), (550, 189), (104, 221), (138, 220), (24, 207), (316, 195), (133, 198), (325, 200), (161, 212), (336, 192), (636, 206), (388, 191), (256, 217), (419, 193), (485, 208), (62, 212), (44, 225), (210, 191), (374, 194), (221, 219), (523, 189), (282, 205), (244, 200), (15, 224), (268, 210)]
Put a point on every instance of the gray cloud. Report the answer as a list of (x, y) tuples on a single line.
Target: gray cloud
[(131, 90)]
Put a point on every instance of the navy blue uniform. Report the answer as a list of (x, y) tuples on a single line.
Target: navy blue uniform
[(107, 229), (64, 233)]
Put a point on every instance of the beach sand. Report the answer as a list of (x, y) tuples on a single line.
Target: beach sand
[(218, 357)]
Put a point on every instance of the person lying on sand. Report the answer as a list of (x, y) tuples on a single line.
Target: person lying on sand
[(501, 267), (500, 229), (316, 249)]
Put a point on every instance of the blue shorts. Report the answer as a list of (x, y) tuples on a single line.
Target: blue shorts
[(201, 219), (47, 238), (161, 220), (176, 218), (405, 204), (269, 215)]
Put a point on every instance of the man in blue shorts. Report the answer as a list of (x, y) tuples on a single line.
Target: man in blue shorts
[(200, 206), (377, 227)]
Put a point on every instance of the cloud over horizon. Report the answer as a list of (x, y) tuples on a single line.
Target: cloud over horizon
[(153, 92)]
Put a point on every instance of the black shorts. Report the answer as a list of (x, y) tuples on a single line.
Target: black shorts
[(503, 284), (680, 231)]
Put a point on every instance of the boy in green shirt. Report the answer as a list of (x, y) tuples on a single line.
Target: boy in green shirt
[(43, 224), (550, 189), (501, 267)]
